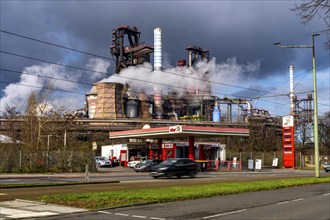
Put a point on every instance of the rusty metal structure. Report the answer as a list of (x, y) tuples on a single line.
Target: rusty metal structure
[(304, 118), (196, 53), (130, 54)]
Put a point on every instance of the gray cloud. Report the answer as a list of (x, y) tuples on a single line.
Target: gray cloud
[(244, 30)]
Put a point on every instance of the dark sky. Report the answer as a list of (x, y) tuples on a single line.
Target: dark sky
[(237, 33)]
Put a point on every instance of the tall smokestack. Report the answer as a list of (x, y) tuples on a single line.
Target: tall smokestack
[(292, 104), (157, 49)]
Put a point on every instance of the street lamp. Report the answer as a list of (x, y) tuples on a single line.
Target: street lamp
[(316, 128)]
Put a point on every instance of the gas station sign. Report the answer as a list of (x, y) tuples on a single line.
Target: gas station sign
[(288, 141), (175, 129), (287, 121), (168, 146)]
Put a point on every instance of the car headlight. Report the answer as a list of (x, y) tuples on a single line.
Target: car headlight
[(163, 168)]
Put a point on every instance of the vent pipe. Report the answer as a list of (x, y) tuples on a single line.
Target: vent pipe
[(157, 49)]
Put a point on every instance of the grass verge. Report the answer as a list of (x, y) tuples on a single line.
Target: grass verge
[(108, 199), (8, 186)]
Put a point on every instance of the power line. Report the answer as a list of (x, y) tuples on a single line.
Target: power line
[(284, 94), (95, 55), (115, 75), (55, 45), (90, 84), (47, 77), (38, 87)]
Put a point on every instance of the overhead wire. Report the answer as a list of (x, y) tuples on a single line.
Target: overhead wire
[(117, 75), (79, 68), (95, 55)]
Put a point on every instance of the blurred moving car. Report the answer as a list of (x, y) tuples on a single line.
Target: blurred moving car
[(146, 165), (175, 167), (102, 162), (326, 166), (132, 163)]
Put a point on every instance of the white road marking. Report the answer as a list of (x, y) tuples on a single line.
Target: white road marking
[(139, 216), (223, 214), (121, 214), (126, 215), (104, 212), (284, 202), (15, 213), (326, 194), (3, 194)]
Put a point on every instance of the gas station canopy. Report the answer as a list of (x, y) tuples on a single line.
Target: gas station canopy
[(179, 131)]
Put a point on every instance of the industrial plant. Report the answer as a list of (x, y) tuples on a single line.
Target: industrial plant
[(180, 105), (113, 100)]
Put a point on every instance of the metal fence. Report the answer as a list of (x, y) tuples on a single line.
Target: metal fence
[(45, 161), (240, 161), (14, 160)]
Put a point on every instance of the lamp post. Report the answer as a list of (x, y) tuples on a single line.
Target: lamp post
[(316, 136)]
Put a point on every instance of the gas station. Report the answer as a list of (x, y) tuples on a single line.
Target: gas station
[(176, 141)]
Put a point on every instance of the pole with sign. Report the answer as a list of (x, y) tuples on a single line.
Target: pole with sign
[(288, 141)]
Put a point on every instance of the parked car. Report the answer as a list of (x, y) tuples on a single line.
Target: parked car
[(132, 163), (102, 162), (175, 167), (146, 165), (326, 166)]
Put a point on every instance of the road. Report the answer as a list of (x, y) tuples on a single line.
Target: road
[(129, 180), (303, 202)]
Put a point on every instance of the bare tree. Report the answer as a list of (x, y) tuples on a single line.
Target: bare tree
[(307, 10), (324, 132)]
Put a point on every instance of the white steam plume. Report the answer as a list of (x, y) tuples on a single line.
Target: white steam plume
[(35, 78), (98, 66), (143, 78)]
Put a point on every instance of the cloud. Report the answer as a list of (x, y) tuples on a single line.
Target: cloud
[(241, 29), (35, 79)]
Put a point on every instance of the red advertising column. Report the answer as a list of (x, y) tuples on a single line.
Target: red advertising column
[(201, 152), (191, 142), (160, 142), (168, 151), (174, 151), (288, 141)]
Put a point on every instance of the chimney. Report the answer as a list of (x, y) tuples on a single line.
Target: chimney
[(157, 49)]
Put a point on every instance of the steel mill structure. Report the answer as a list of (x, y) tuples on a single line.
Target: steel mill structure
[(113, 100)]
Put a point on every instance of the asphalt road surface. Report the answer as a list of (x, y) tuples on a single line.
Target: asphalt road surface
[(132, 180), (303, 202)]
